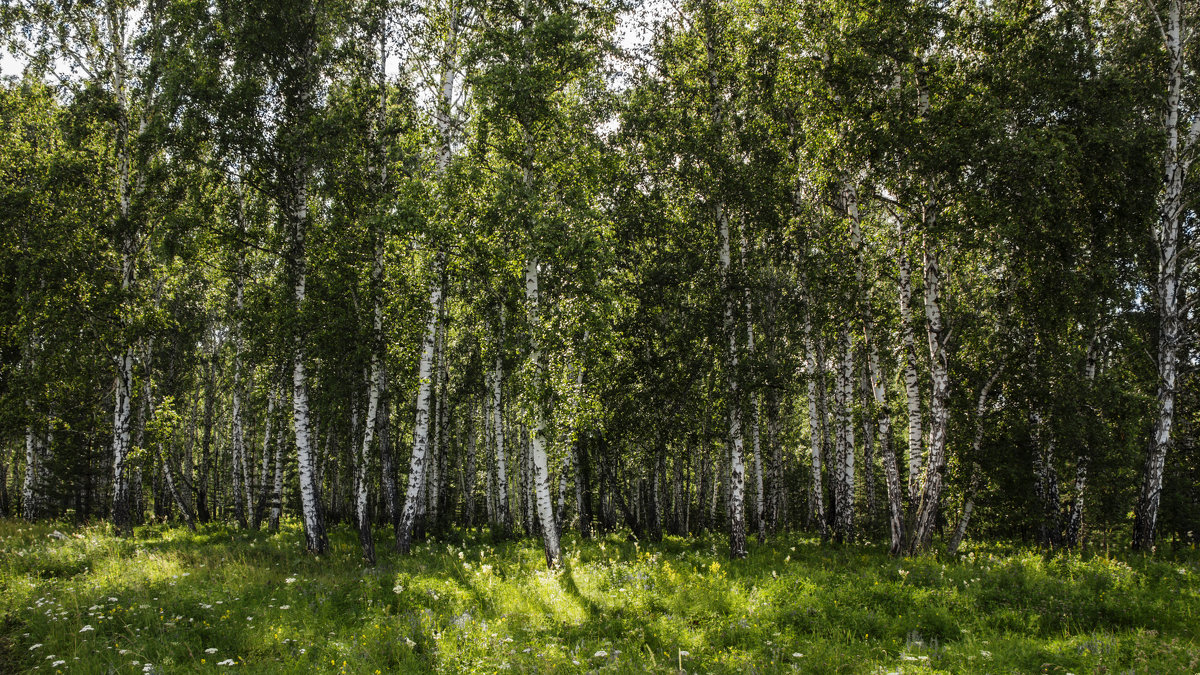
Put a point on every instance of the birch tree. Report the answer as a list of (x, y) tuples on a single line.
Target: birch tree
[(1181, 129)]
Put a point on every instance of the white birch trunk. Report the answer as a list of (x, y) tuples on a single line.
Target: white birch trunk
[(490, 468), (420, 448), (883, 429), (361, 483), (1075, 515), (755, 418), (1172, 257), (316, 540), (911, 378), (883, 421), (737, 468), (501, 487), (938, 410), (238, 431), (816, 442), (30, 502), (127, 244), (537, 447), (469, 469), (844, 456), (277, 488)]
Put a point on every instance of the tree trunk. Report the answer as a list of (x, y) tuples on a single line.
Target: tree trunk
[(362, 466), (316, 540), (911, 378), (815, 426), (1172, 256), (127, 236), (938, 410), (844, 455), (420, 451), (503, 515), (737, 470), (883, 427)]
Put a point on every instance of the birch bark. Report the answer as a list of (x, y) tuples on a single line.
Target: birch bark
[(127, 244), (755, 440), (938, 410), (815, 426), (911, 378), (1075, 514), (737, 468), (420, 449), (316, 540), (844, 455), (1173, 255)]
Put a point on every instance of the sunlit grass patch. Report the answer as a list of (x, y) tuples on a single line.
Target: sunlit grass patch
[(167, 600)]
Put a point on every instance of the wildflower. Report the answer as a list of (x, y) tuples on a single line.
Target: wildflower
[(57, 663), (797, 655), (227, 662), (397, 589), (986, 654), (290, 580), (112, 599), (285, 607), (601, 654), (409, 642), (86, 628), (210, 650), (122, 652), (37, 646), (683, 652)]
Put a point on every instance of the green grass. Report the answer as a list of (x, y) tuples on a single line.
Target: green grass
[(174, 602)]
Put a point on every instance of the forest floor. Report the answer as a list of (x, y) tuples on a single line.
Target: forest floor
[(79, 600)]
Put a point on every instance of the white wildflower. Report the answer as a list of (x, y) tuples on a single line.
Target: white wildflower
[(86, 628), (210, 650), (290, 580), (601, 654), (37, 646)]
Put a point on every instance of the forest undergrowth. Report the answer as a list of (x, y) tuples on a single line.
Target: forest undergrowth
[(81, 600)]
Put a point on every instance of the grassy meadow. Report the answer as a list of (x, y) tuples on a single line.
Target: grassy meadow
[(79, 600)]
